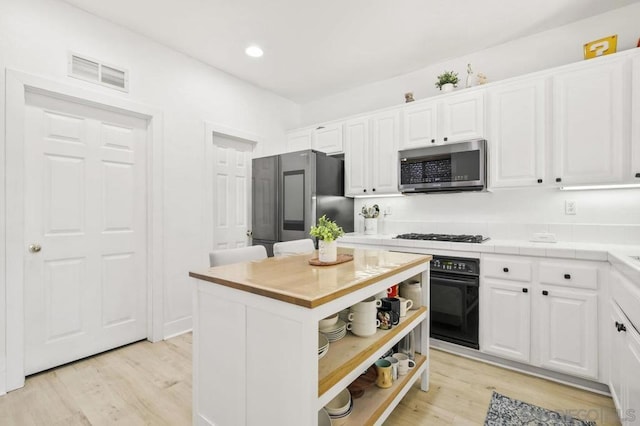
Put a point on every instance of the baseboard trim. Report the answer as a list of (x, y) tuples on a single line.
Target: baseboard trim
[(178, 327), (577, 382)]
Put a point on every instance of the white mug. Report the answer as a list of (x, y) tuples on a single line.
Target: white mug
[(404, 363), (369, 304), (394, 366), (363, 329), (362, 316), (405, 305)]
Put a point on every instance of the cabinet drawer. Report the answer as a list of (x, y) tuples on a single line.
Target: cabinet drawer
[(569, 275), (505, 268)]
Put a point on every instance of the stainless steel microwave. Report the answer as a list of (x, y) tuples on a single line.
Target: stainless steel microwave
[(458, 166)]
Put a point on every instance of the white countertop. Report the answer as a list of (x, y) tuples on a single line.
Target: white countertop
[(618, 254)]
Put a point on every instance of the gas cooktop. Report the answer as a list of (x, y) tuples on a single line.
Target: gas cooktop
[(444, 237)]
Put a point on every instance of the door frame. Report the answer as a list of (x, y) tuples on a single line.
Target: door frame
[(209, 130), (17, 84)]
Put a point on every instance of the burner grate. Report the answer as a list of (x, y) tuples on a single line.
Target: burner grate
[(476, 239)]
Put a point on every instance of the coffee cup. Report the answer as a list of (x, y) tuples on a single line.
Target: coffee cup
[(392, 304), (404, 363), (392, 291), (385, 318), (384, 369), (405, 305), (362, 316), (369, 304), (363, 329), (394, 367)]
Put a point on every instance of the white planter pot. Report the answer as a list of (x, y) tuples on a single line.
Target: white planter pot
[(448, 87), (328, 252), (370, 226)]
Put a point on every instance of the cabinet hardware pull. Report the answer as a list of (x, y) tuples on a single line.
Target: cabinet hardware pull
[(539, 180), (446, 139), (319, 127), (525, 290), (434, 141), (638, 175), (365, 190), (374, 190), (545, 293), (558, 180), (567, 276), (620, 327), (505, 269)]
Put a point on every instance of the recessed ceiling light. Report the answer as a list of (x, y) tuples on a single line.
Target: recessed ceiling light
[(254, 51)]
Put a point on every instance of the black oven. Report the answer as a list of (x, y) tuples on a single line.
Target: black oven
[(455, 286)]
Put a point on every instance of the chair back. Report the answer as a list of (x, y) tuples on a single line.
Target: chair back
[(242, 254), (293, 247)]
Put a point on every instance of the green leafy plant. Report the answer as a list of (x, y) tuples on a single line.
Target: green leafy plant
[(447, 77), (326, 230)]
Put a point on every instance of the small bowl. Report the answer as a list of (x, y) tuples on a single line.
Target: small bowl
[(328, 321), (323, 418), (340, 404)]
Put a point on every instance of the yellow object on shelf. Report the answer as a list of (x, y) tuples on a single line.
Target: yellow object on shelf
[(603, 46)]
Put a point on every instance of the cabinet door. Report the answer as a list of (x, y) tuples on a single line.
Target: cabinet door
[(299, 140), (384, 152), (517, 133), (568, 333), (506, 321), (356, 157), (616, 345), (420, 125), (462, 117), (328, 138), (635, 120), (631, 373), (589, 121)]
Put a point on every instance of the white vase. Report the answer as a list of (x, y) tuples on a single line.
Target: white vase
[(447, 87), (370, 226), (328, 251)]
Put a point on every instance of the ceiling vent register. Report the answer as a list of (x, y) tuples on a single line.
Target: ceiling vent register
[(94, 71)]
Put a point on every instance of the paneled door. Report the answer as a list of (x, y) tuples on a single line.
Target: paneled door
[(231, 191), (85, 282)]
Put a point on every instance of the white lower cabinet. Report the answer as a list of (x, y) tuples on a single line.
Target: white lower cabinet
[(506, 319), (567, 321), (527, 320)]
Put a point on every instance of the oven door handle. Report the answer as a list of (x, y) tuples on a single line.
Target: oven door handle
[(470, 282)]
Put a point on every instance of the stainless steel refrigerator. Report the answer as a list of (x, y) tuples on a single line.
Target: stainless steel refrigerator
[(291, 191)]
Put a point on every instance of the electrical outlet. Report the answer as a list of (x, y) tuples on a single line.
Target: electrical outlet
[(570, 207)]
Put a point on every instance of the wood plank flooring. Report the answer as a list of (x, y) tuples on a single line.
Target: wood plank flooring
[(150, 384)]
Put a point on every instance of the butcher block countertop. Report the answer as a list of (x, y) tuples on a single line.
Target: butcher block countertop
[(291, 279)]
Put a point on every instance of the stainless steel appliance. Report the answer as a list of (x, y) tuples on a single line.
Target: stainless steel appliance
[(291, 191), (444, 237), (452, 167)]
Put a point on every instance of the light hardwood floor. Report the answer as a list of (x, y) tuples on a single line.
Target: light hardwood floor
[(150, 384)]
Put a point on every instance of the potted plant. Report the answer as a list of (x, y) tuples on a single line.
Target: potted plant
[(327, 231), (370, 215), (447, 81)]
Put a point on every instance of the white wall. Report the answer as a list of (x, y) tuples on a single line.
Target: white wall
[(548, 49), (36, 36)]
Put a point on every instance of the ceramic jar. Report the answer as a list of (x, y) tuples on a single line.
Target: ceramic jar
[(412, 290), (328, 251)]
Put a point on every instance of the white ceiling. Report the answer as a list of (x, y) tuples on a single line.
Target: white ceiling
[(313, 49)]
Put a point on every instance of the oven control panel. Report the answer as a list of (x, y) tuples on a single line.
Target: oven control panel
[(456, 265)]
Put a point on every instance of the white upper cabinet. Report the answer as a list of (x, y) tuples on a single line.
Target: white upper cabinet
[(298, 140), (385, 137), (451, 118), (635, 120), (462, 117), (420, 125), (328, 138), (589, 123), (517, 133), (371, 154), (356, 156)]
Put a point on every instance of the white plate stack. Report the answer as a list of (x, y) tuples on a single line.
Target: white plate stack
[(336, 331), (323, 345)]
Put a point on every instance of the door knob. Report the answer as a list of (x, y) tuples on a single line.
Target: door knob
[(34, 248)]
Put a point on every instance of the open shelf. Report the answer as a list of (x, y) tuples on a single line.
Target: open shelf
[(372, 405), (348, 354)]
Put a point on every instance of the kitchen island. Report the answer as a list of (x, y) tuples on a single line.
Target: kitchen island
[(255, 339)]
